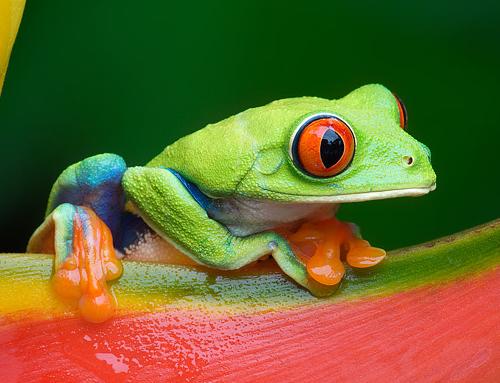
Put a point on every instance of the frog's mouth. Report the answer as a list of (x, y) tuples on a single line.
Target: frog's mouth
[(360, 197)]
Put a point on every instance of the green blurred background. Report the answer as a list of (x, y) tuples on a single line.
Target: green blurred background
[(130, 77)]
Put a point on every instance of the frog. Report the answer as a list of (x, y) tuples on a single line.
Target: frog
[(260, 183)]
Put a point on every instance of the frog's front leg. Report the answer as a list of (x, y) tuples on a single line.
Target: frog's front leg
[(167, 206)]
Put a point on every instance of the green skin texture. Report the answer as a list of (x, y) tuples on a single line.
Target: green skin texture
[(254, 163)]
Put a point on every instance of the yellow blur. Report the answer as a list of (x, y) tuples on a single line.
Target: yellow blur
[(11, 12)]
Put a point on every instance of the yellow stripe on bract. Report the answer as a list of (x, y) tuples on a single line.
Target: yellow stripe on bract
[(11, 12), (30, 297), (26, 292)]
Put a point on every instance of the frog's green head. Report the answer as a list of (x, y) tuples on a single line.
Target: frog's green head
[(309, 150)]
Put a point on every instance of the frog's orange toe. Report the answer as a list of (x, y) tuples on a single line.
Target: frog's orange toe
[(114, 269), (97, 308), (363, 257), (325, 270), (66, 283)]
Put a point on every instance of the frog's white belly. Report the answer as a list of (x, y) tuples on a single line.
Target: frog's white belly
[(245, 216)]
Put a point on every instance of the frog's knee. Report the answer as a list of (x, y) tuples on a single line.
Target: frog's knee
[(94, 182), (90, 176), (100, 169)]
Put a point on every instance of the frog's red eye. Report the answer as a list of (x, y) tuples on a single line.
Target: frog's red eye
[(323, 147), (403, 115)]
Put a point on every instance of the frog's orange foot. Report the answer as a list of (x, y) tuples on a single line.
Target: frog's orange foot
[(85, 259), (324, 244), (325, 270)]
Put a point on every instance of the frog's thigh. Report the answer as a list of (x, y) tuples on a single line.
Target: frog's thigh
[(168, 207)]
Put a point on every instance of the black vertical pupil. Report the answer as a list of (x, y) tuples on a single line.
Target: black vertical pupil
[(332, 148)]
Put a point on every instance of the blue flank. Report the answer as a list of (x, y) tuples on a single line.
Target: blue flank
[(203, 200)]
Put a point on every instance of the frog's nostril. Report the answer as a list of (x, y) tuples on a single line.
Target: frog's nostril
[(408, 161)]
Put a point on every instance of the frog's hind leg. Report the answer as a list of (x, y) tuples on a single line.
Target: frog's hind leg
[(94, 182), (85, 208)]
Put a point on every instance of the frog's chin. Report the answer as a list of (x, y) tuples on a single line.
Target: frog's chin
[(360, 197)]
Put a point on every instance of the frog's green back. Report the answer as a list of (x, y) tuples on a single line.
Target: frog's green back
[(248, 154), (219, 156)]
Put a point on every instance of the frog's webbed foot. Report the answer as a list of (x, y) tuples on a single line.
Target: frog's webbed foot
[(324, 244), (84, 261)]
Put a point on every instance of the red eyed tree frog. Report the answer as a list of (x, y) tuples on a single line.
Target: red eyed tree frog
[(264, 181)]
